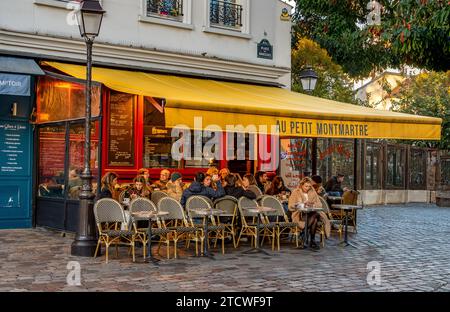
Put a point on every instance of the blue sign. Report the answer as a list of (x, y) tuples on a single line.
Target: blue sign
[(265, 49), (14, 84), (14, 149)]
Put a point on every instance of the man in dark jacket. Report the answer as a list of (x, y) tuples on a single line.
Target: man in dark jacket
[(198, 188), (333, 187), (234, 191)]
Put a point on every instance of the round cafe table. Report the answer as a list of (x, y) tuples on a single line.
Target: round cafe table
[(150, 216), (259, 212), (307, 210), (207, 213), (347, 209)]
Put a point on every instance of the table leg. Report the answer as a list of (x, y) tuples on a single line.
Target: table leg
[(150, 257), (205, 242), (257, 249), (306, 235)]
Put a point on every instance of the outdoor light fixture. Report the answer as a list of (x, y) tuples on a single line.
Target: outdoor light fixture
[(308, 78), (89, 19)]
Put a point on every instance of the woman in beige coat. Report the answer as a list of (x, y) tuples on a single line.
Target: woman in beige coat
[(305, 194)]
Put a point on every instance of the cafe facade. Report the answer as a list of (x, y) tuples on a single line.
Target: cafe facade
[(228, 78)]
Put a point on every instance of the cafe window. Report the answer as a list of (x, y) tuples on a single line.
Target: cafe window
[(417, 169), (336, 156), (121, 129), (52, 151), (396, 159), (373, 166), (295, 160), (76, 158), (59, 99), (445, 171)]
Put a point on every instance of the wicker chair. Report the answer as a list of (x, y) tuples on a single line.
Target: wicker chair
[(228, 204), (255, 189), (249, 228), (157, 196), (336, 224), (109, 211), (179, 228), (282, 220), (215, 230), (137, 205)]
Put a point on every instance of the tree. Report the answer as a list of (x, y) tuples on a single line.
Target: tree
[(427, 94), (411, 32), (332, 83)]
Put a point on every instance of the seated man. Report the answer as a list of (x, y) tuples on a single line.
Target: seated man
[(199, 187), (333, 187), (161, 184)]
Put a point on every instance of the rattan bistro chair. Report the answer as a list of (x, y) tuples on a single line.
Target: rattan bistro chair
[(137, 205), (156, 196), (336, 224), (215, 230), (228, 204), (255, 189), (177, 226), (284, 226), (109, 212)]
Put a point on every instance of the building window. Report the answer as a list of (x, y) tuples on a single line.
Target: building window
[(295, 160), (226, 14), (417, 178), (172, 9), (59, 99), (336, 156), (396, 159), (373, 166), (445, 171)]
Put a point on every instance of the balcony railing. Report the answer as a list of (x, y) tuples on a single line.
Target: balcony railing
[(226, 14), (165, 8)]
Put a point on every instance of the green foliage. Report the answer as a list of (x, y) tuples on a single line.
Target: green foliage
[(332, 83), (411, 32), (427, 94)]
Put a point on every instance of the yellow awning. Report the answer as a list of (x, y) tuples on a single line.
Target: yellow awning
[(226, 103)]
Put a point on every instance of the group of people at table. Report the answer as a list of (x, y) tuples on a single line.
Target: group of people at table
[(218, 183)]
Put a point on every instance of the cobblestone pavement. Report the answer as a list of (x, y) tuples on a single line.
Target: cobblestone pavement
[(410, 243)]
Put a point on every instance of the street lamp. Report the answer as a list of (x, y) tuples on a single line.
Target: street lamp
[(89, 19), (308, 77)]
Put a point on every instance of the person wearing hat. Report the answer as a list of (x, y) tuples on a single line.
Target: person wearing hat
[(175, 186)]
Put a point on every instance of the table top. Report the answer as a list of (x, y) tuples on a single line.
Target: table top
[(346, 207), (308, 209), (207, 212), (149, 214), (334, 197), (260, 209)]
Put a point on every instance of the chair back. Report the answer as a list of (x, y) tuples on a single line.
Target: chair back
[(122, 196), (227, 204), (108, 210), (142, 204), (173, 207), (244, 203), (197, 202), (273, 202), (350, 197), (157, 196), (255, 189)]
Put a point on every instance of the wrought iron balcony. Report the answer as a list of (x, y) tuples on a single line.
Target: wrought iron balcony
[(167, 8), (225, 13)]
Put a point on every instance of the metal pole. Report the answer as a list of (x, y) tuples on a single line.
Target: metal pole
[(85, 240)]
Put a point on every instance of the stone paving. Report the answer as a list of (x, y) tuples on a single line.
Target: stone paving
[(410, 243)]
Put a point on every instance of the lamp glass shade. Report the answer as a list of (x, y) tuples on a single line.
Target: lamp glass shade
[(89, 19)]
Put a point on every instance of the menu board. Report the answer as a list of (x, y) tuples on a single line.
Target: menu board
[(121, 130), (14, 148)]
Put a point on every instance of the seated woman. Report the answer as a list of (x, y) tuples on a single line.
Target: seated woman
[(232, 189), (202, 186), (175, 186), (139, 189), (108, 189), (306, 195), (278, 189), (317, 185), (223, 173)]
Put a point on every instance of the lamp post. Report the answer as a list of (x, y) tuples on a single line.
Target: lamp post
[(308, 78), (89, 19)]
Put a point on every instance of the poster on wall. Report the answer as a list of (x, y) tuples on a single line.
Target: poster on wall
[(294, 161)]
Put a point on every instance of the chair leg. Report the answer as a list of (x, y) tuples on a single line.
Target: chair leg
[(133, 251), (223, 242), (144, 247), (175, 243), (107, 251), (96, 249), (168, 249)]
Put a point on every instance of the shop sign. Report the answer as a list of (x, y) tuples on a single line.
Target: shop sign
[(14, 84), (265, 50), (285, 16)]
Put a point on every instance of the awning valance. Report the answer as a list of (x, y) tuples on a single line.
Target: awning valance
[(226, 103)]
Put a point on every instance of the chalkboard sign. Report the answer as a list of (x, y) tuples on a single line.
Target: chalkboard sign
[(14, 148), (121, 130)]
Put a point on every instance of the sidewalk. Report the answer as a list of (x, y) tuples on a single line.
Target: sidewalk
[(410, 243)]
